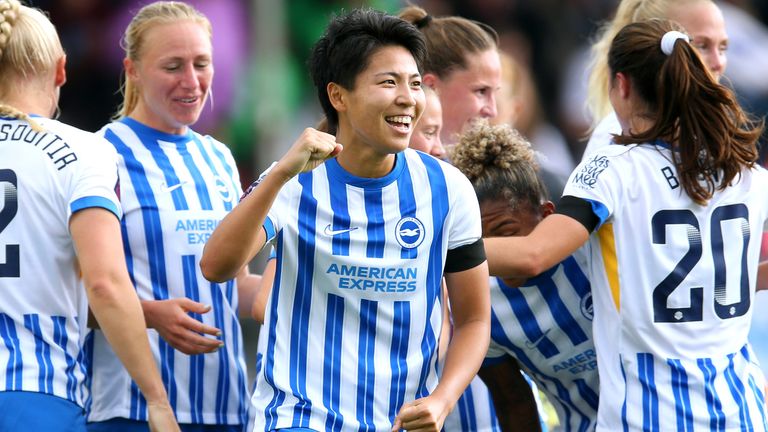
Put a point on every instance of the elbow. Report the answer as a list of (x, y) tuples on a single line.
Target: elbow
[(212, 270), (532, 265), (102, 292)]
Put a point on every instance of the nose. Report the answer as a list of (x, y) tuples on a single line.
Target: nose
[(437, 149), (189, 77), (406, 96), (489, 109), (716, 62)]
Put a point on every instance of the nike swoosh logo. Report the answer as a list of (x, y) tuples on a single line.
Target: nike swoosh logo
[(329, 232), (533, 344), (170, 189)]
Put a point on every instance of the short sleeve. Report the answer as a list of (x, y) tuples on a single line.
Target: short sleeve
[(464, 226), (597, 180), (495, 354), (95, 181)]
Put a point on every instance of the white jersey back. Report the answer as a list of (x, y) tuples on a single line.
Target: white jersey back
[(174, 191), (546, 325), (44, 178), (673, 283), (359, 270)]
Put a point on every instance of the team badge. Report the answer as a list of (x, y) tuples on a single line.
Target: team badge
[(409, 232), (586, 306), (222, 189)]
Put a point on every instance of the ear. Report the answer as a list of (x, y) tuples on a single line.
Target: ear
[(546, 209), (131, 71), (61, 71), (430, 80), (625, 85), (337, 96)]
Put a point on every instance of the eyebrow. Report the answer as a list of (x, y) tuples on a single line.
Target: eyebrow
[(395, 74)]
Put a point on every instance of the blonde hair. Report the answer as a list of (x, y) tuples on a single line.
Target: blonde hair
[(29, 47), (629, 11), (134, 40), (500, 164)]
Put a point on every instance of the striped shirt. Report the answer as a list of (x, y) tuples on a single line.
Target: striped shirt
[(546, 324), (673, 284), (45, 177), (359, 268), (174, 190)]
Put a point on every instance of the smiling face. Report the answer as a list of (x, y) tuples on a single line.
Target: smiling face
[(173, 75), (704, 23), (426, 134), (377, 116), (469, 94)]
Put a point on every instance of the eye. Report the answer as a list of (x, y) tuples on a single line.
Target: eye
[(171, 67), (202, 64), (389, 82), (416, 84)]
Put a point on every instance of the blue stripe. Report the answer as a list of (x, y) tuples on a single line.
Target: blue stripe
[(231, 194), (527, 320), (757, 391), (227, 167), (683, 410), (435, 268), (576, 276), (469, 397), (375, 212), (196, 362), (407, 205), (398, 357), (560, 312), (302, 302), (127, 251), (60, 338), (645, 372), (242, 389), (200, 186), (624, 419), (334, 330), (15, 366), (587, 393), (366, 369), (739, 394), (94, 201), (341, 219), (85, 358), (222, 381), (559, 395), (461, 407), (270, 411), (138, 404), (42, 352), (714, 406)]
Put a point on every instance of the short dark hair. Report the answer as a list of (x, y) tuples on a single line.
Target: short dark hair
[(347, 46)]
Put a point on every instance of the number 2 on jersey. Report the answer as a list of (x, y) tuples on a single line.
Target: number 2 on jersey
[(9, 189), (659, 223)]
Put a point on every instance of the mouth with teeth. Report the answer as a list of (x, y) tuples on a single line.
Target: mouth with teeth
[(188, 100), (401, 123)]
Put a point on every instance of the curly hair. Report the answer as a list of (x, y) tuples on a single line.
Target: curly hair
[(500, 164)]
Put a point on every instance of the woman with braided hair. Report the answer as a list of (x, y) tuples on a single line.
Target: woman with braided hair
[(59, 221)]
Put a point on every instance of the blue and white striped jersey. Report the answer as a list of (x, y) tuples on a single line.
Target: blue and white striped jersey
[(546, 324), (474, 411), (673, 284), (45, 177), (355, 314), (174, 191)]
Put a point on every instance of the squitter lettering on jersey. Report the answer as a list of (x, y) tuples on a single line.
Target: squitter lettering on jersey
[(49, 143)]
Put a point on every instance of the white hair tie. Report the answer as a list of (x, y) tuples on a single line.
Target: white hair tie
[(669, 39)]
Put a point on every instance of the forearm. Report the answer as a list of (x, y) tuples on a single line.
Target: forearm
[(465, 354), (240, 235), (248, 287), (120, 317), (762, 276)]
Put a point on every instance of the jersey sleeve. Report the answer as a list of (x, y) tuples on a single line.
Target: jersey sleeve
[(464, 226), (598, 181), (95, 182)]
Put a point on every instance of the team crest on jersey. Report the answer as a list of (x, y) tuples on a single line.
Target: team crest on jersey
[(222, 189), (590, 171), (586, 306), (409, 232)]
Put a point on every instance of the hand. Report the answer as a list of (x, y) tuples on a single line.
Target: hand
[(171, 320), (425, 414), (311, 149), (161, 418)]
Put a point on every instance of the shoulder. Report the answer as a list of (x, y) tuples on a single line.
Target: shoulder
[(84, 142)]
